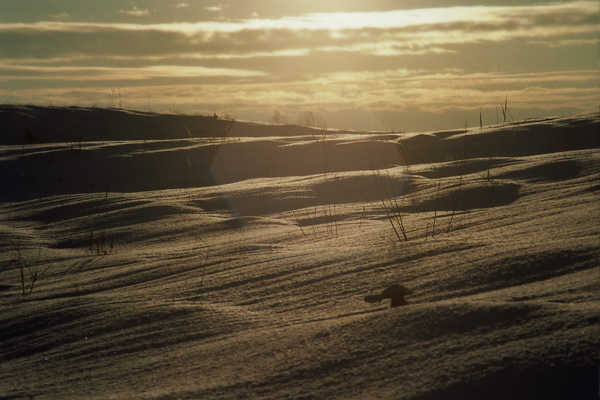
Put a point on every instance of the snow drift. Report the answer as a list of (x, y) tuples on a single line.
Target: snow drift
[(168, 256)]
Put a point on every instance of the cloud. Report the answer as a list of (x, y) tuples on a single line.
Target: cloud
[(60, 17), (218, 8), (414, 98), (454, 57), (79, 73), (566, 42), (135, 12), (391, 90), (386, 33)]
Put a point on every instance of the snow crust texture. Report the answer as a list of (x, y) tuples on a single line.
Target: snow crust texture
[(184, 257)]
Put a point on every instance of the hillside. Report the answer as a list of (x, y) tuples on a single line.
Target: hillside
[(185, 257)]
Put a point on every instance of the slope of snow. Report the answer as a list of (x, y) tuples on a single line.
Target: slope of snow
[(234, 263)]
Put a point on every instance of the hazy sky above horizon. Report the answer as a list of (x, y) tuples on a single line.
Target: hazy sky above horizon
[(376, 65)]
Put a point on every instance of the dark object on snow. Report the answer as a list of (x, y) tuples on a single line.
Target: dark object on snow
[(396, 292)]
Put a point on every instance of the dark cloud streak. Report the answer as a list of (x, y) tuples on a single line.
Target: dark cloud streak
[(100, 43)]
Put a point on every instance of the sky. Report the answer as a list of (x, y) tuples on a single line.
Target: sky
[(384, 65)]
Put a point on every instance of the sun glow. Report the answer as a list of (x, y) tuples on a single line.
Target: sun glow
[(341, 59)]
